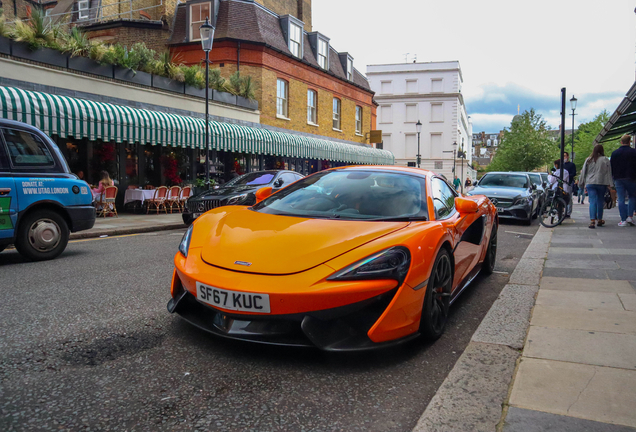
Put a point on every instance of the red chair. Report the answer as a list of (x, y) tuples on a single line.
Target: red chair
[(184, 195), (158, 200), (173, 199), (107, 202)]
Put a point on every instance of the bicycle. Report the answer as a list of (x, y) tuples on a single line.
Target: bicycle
[(554, 208)]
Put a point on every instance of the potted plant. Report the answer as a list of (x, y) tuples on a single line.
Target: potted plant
[(5, 41), (37, 40), (194, 81)]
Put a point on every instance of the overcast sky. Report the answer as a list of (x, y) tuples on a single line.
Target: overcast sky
[(511, 52)]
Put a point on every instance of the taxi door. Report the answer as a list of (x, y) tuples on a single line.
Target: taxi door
[(8, 196)]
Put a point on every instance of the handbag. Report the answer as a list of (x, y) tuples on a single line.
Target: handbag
[(610, 199)]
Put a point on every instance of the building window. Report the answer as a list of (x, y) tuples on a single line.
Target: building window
[(386, 87), (436, 85), (82, 9), (358, 119), (437, 112), (312, 105), (411, 86), (411, 113), (295, 41), (336, 113), (323, 50), (350, 69), (282, 102), (198, 13), (386, 114)]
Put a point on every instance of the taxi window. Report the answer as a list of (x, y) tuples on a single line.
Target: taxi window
[(4, 160), (27, 150)]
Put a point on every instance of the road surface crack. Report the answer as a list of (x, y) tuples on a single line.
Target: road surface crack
[(584, 388)]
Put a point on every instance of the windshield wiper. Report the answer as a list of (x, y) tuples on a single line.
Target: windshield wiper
[(399, 219)]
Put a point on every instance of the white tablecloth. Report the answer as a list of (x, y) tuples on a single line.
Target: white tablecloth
[(140, 195)]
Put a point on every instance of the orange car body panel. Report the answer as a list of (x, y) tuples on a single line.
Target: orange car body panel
[(292, 258)]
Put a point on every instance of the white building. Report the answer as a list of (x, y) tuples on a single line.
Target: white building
[(430, 93)]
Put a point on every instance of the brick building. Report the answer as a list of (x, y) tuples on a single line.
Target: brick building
[(303, 83)]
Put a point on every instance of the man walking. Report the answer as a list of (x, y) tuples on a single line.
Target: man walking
[(623, 162), (457, 183), (571, 169)]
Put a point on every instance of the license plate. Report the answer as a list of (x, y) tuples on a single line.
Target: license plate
[(500, 210), (233, 300)]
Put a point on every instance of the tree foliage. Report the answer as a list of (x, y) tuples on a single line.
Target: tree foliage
[(525, 146), (584, 139)]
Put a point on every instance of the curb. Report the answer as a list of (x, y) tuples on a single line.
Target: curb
[(123, 231), (474, 394)]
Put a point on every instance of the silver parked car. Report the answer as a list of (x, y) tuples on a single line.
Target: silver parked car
[(513, 194)]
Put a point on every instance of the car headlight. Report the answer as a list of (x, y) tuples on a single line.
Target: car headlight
[(236, 199), (392, 263), (522, 201), (185, 242)]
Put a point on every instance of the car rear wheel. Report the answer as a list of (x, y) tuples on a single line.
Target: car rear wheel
[(491, 253), (437, 298), (42, 235)]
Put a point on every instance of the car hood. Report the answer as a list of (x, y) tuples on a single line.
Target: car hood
[(273, 244), (224, 191), (500, 192)]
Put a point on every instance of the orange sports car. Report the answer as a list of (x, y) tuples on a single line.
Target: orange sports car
[(350, 258)]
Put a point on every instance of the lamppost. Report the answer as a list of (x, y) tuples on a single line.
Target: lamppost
[(454, 152), (573, 104), (462, 155), (418, 127), (207, 38)]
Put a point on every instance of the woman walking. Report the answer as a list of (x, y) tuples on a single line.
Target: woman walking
[(596, 176)]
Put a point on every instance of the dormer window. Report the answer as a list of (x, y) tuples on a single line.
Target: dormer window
[(293, 31), (295, 41), (323, 49), (320, 47), (347, 65), (82, 9), (198, 13)]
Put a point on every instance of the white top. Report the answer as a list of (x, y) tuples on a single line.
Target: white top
[(566, 178)]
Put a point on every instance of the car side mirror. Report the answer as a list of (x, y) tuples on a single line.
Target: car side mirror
[(534, 186), (263, 193), (278, 183), (465, 205)]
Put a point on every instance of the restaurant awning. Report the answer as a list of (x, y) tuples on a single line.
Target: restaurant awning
[(81, 118), (622, 122)]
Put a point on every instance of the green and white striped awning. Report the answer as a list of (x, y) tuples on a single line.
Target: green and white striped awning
[(82, 118)]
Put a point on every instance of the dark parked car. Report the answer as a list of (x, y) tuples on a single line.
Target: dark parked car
[(512, 193), (238, 191)]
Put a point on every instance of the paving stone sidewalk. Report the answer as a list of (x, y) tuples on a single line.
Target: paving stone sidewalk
[(577, 371), (128, 223), (557, 350)]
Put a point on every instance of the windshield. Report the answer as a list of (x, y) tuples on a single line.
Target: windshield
[(351, 194), (252, 179), (536, 179), (504, 180)]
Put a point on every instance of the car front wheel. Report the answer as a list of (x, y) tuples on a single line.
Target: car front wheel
[(437, 298)]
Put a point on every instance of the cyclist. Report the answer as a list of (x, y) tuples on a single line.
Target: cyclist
[(567, 188)]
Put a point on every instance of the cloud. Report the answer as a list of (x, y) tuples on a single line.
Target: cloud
[(492, 106)]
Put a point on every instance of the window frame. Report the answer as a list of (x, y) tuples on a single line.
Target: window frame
[(358, 120), (293, 28), (54, 167), (285, 99), (191, 22), (453, 210), (349, 70), (312, 109), (322, 42), (441, 105), (82, 10), (337, 115)]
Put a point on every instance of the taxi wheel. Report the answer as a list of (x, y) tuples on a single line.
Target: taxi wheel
[(437, 298), (42, 235)]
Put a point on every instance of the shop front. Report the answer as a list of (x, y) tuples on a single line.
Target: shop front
[(144, 148)]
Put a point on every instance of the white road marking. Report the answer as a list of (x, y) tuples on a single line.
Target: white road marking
[(500, 272), (520, 233)]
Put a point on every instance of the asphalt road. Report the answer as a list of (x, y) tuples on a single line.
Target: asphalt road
[(86, 343)]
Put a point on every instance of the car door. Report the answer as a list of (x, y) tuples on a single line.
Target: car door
[(8, 196), (468, 230)]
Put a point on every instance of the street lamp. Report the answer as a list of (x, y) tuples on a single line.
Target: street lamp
[(418, 128), (207, 38), (454, 152), (573, 104)]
